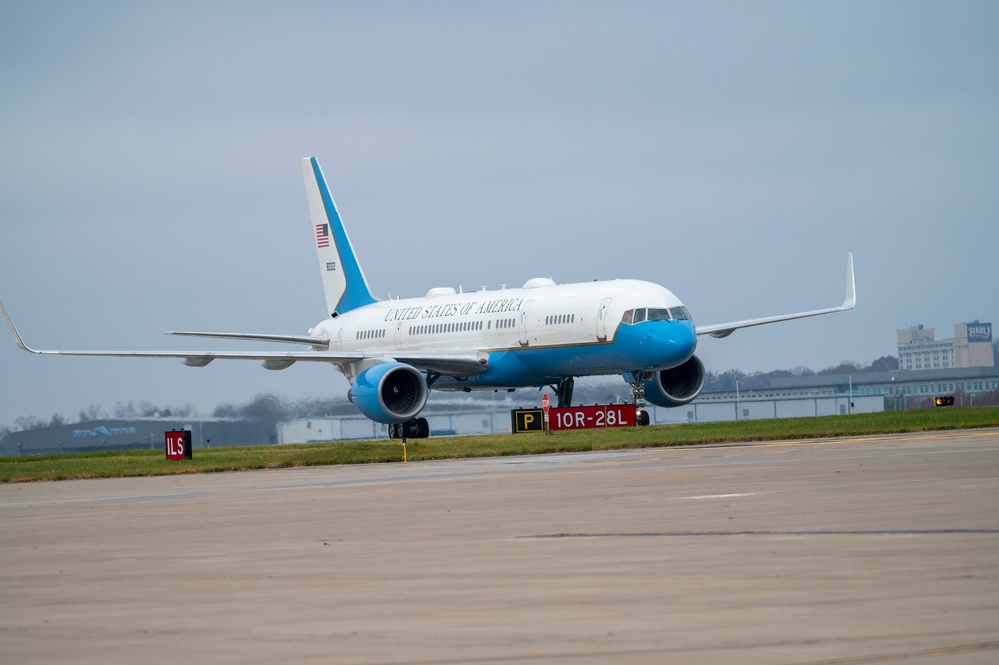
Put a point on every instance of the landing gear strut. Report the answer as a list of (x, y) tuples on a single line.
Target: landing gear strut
[(564, 391), (637, 385), (417, 428)]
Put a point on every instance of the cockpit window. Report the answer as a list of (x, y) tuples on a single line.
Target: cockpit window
[(633, 316), (654, 314), (680, 313)]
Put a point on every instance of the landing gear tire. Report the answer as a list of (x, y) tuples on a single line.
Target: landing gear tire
[(418, 428), (642, 418)]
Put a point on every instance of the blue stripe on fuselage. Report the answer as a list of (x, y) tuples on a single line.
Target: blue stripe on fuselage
[(643, 346)]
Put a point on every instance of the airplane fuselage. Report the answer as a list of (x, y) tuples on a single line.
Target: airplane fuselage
[(533, 335)]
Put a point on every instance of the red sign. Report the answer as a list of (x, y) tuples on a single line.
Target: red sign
[(545, 402), (175, 445), (590, 417)]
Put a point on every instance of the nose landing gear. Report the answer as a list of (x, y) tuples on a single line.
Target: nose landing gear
[(637, 385)]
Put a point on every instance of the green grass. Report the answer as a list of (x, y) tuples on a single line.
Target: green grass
[(153, 462)]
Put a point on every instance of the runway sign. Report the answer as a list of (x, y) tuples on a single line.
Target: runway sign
[(592, 417), (528, 420), (178, 445)]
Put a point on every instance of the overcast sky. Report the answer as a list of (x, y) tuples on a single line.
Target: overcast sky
[(733, 152)]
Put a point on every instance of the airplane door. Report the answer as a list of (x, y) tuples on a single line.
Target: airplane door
[(522, 323), (602, 319)]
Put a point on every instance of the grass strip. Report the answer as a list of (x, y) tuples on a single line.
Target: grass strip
[(153, 463)]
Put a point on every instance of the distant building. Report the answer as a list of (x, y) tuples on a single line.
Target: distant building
[(896, 387), (971, 346), (141, 433)]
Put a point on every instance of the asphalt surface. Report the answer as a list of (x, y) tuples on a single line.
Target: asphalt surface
[(858, 550)]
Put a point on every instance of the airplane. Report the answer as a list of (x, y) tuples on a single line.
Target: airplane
[(393, 352)]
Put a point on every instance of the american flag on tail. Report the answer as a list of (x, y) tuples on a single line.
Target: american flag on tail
[(323, 235)]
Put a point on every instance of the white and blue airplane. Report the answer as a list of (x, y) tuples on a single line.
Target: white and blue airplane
[(544, 334)]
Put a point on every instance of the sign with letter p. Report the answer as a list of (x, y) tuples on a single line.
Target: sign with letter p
[(528, 420)]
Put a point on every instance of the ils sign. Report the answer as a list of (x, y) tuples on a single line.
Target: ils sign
[(178, 445)]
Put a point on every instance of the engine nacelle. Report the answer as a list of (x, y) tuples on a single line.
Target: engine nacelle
[(676, 386), (390, 392)]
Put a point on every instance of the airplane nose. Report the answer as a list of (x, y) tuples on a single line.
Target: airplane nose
[(677, 340)]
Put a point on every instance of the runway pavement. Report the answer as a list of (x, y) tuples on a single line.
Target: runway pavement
[(859, 550)]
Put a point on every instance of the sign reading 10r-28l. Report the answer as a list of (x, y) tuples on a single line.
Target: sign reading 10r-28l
[(588, 417)]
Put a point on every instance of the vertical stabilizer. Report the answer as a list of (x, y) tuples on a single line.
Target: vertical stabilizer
[(343, 280)]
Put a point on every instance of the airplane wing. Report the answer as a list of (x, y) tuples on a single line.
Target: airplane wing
[(442, 362), (316, 342), (849, 302)]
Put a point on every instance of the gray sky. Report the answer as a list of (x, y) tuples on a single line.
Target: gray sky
[(734, 152)]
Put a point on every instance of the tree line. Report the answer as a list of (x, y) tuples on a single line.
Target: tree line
[(726, 381)]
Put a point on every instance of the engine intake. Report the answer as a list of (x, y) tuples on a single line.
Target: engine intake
[(390, 392), (678, 385)]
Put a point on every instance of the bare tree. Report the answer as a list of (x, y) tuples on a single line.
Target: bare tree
[(91, 413), (883, 364)]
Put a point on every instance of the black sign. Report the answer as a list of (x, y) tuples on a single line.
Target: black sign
[(528, 420)]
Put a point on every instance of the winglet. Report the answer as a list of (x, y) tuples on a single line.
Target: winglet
[(850, 301), (13, 329), (343, 281)]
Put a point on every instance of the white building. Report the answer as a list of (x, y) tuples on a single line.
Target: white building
[(971, 346)]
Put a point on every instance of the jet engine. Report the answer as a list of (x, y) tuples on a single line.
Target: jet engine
[(676, 386), (390, 392)]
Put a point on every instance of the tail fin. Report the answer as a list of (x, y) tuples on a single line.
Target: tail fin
[(343, 281)]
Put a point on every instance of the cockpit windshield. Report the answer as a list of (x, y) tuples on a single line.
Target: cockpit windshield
[(643, 314)]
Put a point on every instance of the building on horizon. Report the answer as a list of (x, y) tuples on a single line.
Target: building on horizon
[(900, 389), (135, 434), (971, 346)]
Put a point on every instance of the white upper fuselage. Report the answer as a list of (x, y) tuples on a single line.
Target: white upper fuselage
[(541, 315)]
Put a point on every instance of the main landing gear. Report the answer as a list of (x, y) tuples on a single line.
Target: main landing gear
[(417, 428), (564, 391)]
